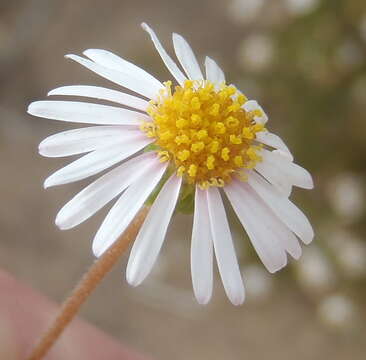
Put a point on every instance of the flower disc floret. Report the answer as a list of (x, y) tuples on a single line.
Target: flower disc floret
[(204, 131)]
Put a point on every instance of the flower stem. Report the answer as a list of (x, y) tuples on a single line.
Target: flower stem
[(86, 285)]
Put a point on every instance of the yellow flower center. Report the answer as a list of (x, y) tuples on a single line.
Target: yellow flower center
[(203, 131)]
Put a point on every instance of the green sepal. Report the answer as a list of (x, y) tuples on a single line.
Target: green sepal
[(151, 147), (186, 199), (150, 200), (185, 203)]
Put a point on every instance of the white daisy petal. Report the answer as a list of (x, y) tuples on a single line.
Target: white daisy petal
[(187, 58), (258, 224), (287, 155), (151, 236), (289, 241), (91, 199), (123, 79), (214, 72), (280, 232), (201, 250), (80, 112), (97, 161), (275, 177), (112, 61), (297, 175), (291, 215), (168, 61), (278, 179), (252, 105), (286, 188), (126, 208), (224, 248), (284, 236), (78, 141), (270, 139), (101, 93)]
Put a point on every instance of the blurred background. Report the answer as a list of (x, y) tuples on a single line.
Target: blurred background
[(305, 62)]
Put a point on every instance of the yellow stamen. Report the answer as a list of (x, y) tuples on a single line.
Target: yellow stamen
[(210, 162), (163, 156), (181, 170), (183, 155), (203, 131), (232, 122), (215, 109), (238, 160), (192, 171), (182, 139), (197, 147), (234, 139), (202, 134), (195, 119), (225, 154), (247, 133), (220, 128), (214, 146)]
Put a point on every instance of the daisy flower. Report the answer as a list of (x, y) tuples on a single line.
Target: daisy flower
[(177, 146)]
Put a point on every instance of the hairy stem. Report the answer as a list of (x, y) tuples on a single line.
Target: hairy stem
[(85, 287)]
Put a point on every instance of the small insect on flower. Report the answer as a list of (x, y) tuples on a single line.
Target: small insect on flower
[(198, 136)]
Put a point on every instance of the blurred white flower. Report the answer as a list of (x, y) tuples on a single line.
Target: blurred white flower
[(258, 282), (349, 54), (244, 11), (350, 252), (346, 194), (301, 7), (353, 258), (337, 311), (315, 271), (256, 52), (363, 28)]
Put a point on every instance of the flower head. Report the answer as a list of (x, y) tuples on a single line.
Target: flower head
[(204, 131), (198, 136)]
